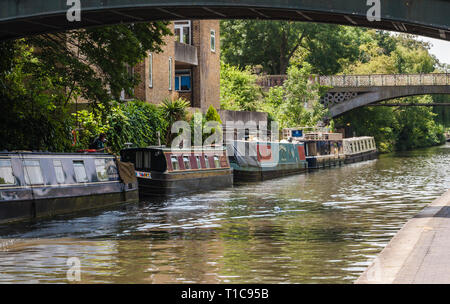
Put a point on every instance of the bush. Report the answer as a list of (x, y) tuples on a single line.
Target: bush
[(135, 122)]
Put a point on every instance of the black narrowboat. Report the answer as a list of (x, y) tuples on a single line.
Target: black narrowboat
[(164, 172), (34, 185), (258, 161)]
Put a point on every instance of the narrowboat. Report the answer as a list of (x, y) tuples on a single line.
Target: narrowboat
[(164, 172), (34, 185), (323, 150), (359, 149), (257, 161)]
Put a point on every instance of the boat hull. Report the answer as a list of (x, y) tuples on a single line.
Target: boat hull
[(169, 184), (355, 158), (253, 174), (29, 210)]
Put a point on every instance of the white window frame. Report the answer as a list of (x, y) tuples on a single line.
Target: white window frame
[(170, 73), (150, 70), (58, 164), (212, 35), (122, 94), (26, 170), (80, 179), (179, 25)]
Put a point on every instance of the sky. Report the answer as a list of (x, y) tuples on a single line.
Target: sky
[(440, 48)]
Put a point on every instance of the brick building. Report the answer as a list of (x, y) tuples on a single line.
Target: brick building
[(188, 67)]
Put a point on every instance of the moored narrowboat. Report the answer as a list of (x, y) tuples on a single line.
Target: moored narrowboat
[(323, 150), (257, 161), (163, 172), (34, 185), (359, 149)]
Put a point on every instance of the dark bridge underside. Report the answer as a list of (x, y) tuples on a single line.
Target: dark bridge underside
[(19, 18)]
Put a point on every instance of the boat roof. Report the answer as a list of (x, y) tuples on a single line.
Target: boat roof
[(46, 153), (169, 149)]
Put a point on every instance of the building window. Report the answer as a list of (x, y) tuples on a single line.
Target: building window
[(59, 172), (170, 73), (183, 81), (199, 163), (33, 172), (213, 40), (80, 171), (183, 31), (150, 70), (123, 94), (6, 173)]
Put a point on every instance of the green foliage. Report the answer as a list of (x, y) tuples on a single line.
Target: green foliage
[(401, 128), (212, 116), (296, 103), (173, 111), (41, 75), (93, 63), (273, 44), (33, 111), (135, 122), (238, 89)]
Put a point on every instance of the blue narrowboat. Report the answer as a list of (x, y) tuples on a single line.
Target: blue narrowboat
[(34, 185), (258, 161)]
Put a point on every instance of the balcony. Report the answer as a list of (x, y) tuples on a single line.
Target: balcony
[(186, 53)]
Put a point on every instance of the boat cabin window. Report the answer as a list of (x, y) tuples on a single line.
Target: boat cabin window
[(33, 172), (147, 160), (207, 161), (187, 162), (199, 162), (80, 171), (216, 161), (59, 172), (100, 168), (111, 169), (139, 159), (6, 173), (175, 165)]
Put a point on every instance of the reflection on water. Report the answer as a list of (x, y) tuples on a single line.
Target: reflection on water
[(322, 227)]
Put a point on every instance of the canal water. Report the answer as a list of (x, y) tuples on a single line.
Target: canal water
[(321, 227)]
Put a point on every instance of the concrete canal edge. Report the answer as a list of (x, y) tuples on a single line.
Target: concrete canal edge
[(419, 252)]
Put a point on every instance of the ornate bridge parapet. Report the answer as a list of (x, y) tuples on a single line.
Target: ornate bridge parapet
[(353, 91), (348, 92)]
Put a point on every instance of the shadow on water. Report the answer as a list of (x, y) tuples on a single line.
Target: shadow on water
[(321, 227)]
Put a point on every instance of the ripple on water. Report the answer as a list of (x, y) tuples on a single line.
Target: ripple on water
[(323, 227)]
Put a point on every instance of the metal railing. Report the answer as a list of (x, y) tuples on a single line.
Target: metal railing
[(375, 80), (382, 80)]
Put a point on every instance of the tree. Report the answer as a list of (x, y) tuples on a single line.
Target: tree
[(94, 63), (33, 115), (173, 111), (296, 103), (238, 89), (274, 43)]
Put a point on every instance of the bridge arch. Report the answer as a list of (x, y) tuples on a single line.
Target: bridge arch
[(26, 17), (379, 94)]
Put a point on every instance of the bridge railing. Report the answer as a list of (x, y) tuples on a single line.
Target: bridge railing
[(382, 80)]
